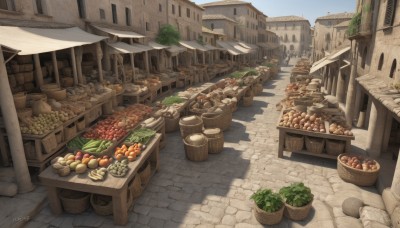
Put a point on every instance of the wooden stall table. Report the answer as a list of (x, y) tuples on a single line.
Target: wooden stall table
[(112, 186)]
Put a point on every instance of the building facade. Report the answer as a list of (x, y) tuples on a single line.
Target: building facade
[(324, 32), (272, 45), (221, 24), (293, 32)]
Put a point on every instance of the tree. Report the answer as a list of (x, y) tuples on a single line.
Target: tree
[(168, 35)]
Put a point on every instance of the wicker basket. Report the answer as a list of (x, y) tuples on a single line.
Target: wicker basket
[(334, 147), (196, 153), (187, 129), (297, 213), (215, 140), (247, 101), (222, 121), (57, 94), (145, 173), (315, 145), (99, 209), (20, 100), (136, 186), (24, 113), (171, 124), (356, 176), (303, 101), (294, 142), (74, 202), (268, 218)]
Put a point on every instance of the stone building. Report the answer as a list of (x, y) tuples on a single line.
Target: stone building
[(211, 36), (244, 13), (340, 37), (293, 33), (221, 24), (324, 33), (272, 45)]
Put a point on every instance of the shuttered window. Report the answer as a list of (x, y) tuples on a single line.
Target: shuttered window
[(390, 12)]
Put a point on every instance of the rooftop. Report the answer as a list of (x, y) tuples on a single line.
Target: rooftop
[(207, 30), (335, 16), (343, 24), (286, 18), (217, 17), (230, 2)]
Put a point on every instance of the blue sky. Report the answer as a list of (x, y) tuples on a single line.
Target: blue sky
[(310, 9)]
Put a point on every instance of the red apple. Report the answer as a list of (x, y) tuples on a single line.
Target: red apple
[(86, 155)]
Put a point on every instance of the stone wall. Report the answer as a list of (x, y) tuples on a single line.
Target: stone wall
[(189, 27), (225, 26)]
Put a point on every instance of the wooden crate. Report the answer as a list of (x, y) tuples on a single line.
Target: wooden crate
[(70, 131), (93, 115)]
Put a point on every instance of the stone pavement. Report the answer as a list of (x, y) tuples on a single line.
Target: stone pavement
[(216, 193)]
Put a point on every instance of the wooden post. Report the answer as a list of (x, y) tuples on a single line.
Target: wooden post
[(55, 66), (73, 61), (132, 56), (79, 53), (107, 60), (204, 57), (146, 61), (38, 70), (340, 87), (11, 123), (350, 99), (99, 54), (116, 66)]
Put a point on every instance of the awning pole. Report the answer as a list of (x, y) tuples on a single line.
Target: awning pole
[(55, 66), (79, 53), (73, 61), (11, 123), (99, 55), (38, 70), (146, 61), (116, 67), (132, 56)]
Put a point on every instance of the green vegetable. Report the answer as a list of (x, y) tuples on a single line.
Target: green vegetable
[(297, 194), (168, 101), (267, 200), (142, 135), (77, 143)]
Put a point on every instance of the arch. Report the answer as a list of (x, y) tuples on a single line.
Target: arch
[(380, 64), (393, 68), (364, 57)]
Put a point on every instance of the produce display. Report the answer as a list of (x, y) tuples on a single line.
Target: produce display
[(142, 135), (129, 152), (119, 168), (98, 174), (339, 129), (108, 129), (171, 100), (359, 162), (96, 146), (303, 121), (44, 123)]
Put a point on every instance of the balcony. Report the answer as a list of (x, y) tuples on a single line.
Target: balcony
[(360, 27)]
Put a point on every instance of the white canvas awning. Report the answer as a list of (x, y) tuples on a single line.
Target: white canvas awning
[(40, 40), (241, 48), (157, 46), (318, 62), (322, 64), (126, 48), (176, 49), (248, 46), (339, 53), (142, 46), (210, 47), (229, 48), (193, 45), (119, 33)]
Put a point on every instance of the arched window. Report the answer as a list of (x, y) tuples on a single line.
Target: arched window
[(393, 68), (380, 64), (212, 26), (286, 38), (364, 57), (294, 38)]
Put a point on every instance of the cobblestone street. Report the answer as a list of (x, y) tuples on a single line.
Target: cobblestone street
[(216, 193)]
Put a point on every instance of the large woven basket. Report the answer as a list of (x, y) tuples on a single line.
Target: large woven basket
[(247, 101), (215, 140), (74, 202), (222, 121), (356, 176), (20, 100), (334, 147), (106, 209), (297, 213), (268, 218), (171, 124), (196, 153), (294, 142), (315, 145), (191, 128), (145, 173)]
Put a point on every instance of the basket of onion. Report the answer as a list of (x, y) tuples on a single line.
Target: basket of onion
[(302, 121), (357, 170), (338, 129)]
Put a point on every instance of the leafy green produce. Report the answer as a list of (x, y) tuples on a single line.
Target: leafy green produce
[(96, 145), (297, 194), (77, 143), (267, 200), (142, 135), (168, 101)]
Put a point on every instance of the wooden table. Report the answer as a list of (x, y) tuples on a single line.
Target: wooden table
[(115, 187)]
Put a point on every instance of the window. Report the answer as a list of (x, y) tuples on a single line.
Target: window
[(128, 16), (294, 38), (81, 8), (198, 17), (7, 5), (102, 14), (160, 7), (212, 26), (147, 26), (173, 9), (188, 12), (179, 11), (393, 68), (286, 38), (39, 7), (114, 13), (234, 11), (380, 64), (390, 12)]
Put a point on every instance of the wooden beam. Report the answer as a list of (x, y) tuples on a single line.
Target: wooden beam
[(55, 66), (79, 53), (99, 55), (73, 62), (38, 70)]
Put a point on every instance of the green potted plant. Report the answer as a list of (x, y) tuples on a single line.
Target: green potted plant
[(268, 207), (298, 201)]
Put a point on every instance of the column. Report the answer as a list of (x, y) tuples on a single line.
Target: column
[(334, 83), (350, 100), (204, 57), (11, 123), (146, 62), (99, 55), (387, 130), (358, 102), (38, 70), (375, 130), (340, 87), (330, 81), (115, 61), (132, 57), (73, 62), (79, 53), (107, 60), (55, 66)]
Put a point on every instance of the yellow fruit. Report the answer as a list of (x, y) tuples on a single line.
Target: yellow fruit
[(80, 168), (93, 163), (73, 165)]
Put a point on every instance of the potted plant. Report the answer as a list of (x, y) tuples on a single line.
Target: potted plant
[(268, 207), (298, 201)]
